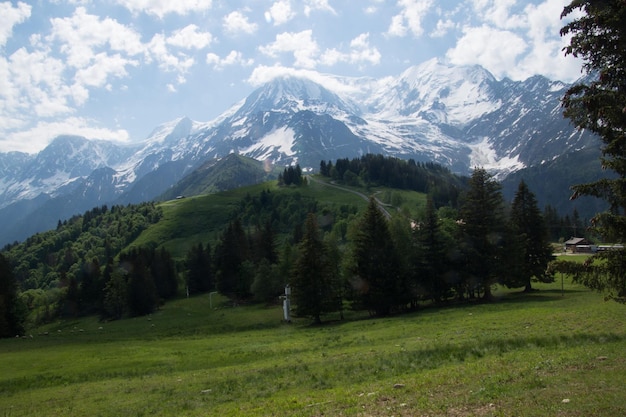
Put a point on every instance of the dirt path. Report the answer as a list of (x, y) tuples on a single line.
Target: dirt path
[(380, 204)]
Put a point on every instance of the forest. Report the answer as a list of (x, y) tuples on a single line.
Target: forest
[(462, 242)]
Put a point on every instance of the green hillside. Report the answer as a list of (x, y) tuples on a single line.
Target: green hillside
[(200, 219), (542, 354)]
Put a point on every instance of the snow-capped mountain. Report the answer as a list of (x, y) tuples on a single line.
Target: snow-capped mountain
[(461, 117)]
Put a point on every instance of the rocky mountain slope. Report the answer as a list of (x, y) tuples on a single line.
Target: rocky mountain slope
[(460, 117)]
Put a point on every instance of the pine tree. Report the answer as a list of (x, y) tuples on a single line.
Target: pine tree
[(375, 274), (11, 314), (115, 294), (483, 232), (598, 104), (199, 271), (142, 293), (529, 226), (230, 254), (313, 284), (163, 270), (432, 255)]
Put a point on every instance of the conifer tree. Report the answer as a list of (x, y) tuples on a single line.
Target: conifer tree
[(432, 255), (313, 285), (598, 104), (529, 227), (483, 232), (11, 317), (230, 254), (375, 274), (199, 271)]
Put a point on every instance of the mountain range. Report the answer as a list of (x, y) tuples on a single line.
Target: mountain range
[(458, 116)]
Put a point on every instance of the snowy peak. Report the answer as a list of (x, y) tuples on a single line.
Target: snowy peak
[(293, 94), (439, 93), (170, 131)]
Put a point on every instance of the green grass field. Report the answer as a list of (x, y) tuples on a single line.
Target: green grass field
[(539, 354)]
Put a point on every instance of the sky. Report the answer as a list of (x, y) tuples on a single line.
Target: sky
[(115, 69)]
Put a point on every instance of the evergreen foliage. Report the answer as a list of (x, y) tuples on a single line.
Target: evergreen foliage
[(314, 282), (483, 233), (291, 176), (378, 170), (598, 103), (375, 267), (11, 308), (432, 262), (231, 252), (535, 248), (199, 270)]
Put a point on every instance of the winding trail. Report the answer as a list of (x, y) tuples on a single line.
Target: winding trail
[(380, 204)]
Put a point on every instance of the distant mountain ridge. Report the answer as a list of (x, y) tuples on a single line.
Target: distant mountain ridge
[(460, 117)]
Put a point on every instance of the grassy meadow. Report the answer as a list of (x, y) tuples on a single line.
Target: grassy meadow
[(548, 353)]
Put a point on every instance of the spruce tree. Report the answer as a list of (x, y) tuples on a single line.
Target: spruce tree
[(598, 103), (483, 233), (431, 255), (529, 226), (312, 280), (230, 254), (11, 311), (375, 273)]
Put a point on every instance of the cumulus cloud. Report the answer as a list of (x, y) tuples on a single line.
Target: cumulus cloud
[(11, 16), (82, 33), (301, 44), (495, 49), (190, 37), (236, 22), (361, 52), (161, 8), (442, 28), (263, 74), (38, 136), (410, 18), (280, 12), (321, 5), (233, 58), (515, 41)]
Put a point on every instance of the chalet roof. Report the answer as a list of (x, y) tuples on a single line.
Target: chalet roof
[(576, 241)]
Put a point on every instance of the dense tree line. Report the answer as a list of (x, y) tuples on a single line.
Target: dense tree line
[(331, 255), (380, 265), (378, 170), (291, 175)]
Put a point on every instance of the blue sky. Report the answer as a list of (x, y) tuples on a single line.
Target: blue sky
[(115, 69)]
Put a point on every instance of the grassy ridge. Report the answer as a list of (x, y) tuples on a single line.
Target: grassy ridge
[(189, 221), (523, 355)]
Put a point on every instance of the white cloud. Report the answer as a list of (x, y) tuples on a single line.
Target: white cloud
[(516, 43), (81, 33), (167, 61), (233, 58), (442, 28), (11, 16), (497, 12), (236, 22), (301, 44), (361, 53), (160, 8), (495, 49), (410, 18), (263, 74), (104, 66), (38, 136), (313, 5), (280, 12), (190, 37)]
